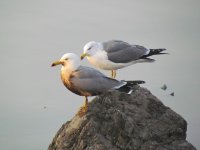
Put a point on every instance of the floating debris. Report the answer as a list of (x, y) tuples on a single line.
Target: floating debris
[(164, 87), (44, 107), (172, 94)]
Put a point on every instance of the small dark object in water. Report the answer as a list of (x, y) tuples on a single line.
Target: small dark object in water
[(172, 94), (164, 87)]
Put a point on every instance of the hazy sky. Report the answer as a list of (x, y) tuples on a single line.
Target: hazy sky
[(33, 34)]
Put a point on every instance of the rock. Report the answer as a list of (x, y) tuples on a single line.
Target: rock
[(118, 121)]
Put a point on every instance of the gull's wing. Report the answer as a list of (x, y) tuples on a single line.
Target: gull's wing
[(122, 52), (89, 81)]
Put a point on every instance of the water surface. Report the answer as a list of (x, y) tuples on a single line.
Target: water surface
[(34, 103)]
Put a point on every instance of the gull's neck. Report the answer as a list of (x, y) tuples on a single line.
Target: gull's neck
[(99, 46), (68, 68)]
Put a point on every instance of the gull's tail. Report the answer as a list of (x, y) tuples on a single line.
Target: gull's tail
[(128, 87)]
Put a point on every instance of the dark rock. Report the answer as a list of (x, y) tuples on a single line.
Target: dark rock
[(117, 121)]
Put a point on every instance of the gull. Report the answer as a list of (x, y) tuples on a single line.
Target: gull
[(85, 81), (116, 54)]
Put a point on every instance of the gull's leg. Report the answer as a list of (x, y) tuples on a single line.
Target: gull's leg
[(84, 108), (86, 103), (113, 74)]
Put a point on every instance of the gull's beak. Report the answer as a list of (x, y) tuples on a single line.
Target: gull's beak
[(84, 55), (56, 63)]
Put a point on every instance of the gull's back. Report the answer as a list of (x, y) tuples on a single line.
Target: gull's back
[(90, 82), (122, 52)]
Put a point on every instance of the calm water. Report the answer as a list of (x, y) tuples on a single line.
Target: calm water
[(34, 103)]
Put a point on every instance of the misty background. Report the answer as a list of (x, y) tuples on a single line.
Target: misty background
[(33, 101)]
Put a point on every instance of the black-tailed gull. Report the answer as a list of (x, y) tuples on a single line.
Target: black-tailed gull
[(115, 54), (85, 81)]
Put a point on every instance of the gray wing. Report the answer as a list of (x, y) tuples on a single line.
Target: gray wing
[(122, 52), (92, 82)]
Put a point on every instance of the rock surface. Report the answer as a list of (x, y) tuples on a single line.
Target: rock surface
[(117, 121)]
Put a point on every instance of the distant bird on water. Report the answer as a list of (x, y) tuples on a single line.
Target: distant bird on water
[(85, 81), (115, 54)]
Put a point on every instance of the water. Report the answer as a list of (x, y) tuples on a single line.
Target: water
[(34, 103)]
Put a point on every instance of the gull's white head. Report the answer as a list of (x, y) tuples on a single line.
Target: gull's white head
[(91, 48), (68, 61)]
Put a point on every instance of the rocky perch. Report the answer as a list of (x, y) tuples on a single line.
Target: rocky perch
[(117, 121)]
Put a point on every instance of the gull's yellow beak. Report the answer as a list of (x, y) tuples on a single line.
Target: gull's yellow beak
[(84, 55), (56, 63)]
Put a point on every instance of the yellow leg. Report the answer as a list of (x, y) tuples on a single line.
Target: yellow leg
[(86, 103), (113, 74), (84, 108)]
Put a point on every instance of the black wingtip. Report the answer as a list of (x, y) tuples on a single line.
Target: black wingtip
[(158, 49), (136, 82), (128, 87)]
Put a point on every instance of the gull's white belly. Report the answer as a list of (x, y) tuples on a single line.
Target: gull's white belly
[(100, 60), (106, 64)]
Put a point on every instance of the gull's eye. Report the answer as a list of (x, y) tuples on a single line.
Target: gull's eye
[(66, 58), (89, 48)]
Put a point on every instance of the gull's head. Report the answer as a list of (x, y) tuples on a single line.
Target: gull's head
[(68, 60), (91, 48)]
